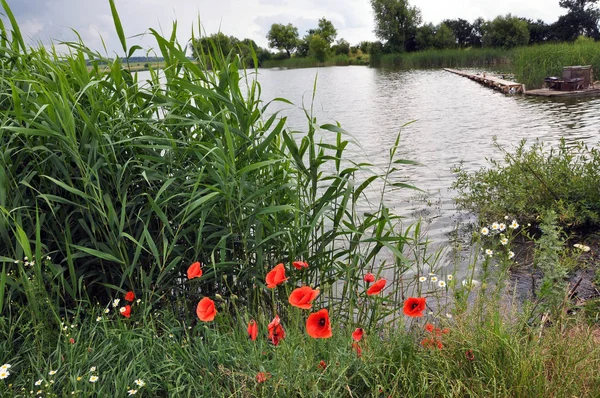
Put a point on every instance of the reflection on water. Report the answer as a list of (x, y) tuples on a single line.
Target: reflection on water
[(454, 120)]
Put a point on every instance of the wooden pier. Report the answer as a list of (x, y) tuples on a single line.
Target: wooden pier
[(506, 86)]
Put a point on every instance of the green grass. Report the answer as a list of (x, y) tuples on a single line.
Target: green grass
[(308, 62), (451, 58), (534, 63)]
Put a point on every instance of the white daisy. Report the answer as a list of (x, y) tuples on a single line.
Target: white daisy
[(52, 372), (450, 277), (502, 226), (504, 241), (6, 366), (495, 226), (485, 231), (93, 379), (489, 252), (131, 392), (98, 319), (422, 279), (4, 374), (140, 383), (38, 383), (442, 284), (514, 224), (434, 279), (511, 254), (93, 369), (115, 302)]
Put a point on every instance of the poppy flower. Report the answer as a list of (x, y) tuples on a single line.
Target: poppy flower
[(377, 287), (445, 331), (427, 343), (252, 330), (261, 377), (369, 278), (130, 296), (194, 271), (72, 340), (276, 332), (206, 310), (300, 264), (303, 297), (318, 325), (429, 327), (322, 365), (125, 311), (414, 306), (357, 348), (357, 334), (276, 276), (470, 356)]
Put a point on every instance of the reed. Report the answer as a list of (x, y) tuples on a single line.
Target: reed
[(449, 58)]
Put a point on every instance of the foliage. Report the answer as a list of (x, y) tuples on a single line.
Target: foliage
[(532, 181), (318, 48), (395, 22), (220, 45), (325, 30), (449, 58), (444, 37), (506, 32), (534, 63), (283, 37), (462, 30), (581, 19), (341, 47)]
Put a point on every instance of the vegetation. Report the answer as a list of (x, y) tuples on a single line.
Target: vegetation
[(283, 37), (532, 181), (456, 58), (505, 32)]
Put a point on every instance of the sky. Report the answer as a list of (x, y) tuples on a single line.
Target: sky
[(41, 21)]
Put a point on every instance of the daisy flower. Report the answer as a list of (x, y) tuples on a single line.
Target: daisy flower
[(502, 226), (489, 252), (485, 231), (93, 379), (442, 284), (52, 372), (422, 279), (131, 392), (514, 224), (116, 302), (107, 310), (140, 383), (6, 366), (4, 374), (511, 254), (93, 369), (98, 319), (495, 226), (38, 383), (450, 277), (504, 241), (434, 279)]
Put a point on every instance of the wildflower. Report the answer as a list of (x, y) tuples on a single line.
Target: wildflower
[(276, 276), (514, 224), (445, 331), (98, 318), (506, 217), (79, 378), (38, 383), (52, 372), (504, 241), (130, 296), (369, 278), (300, 264), (502, 226), (252, 330), (495, 226), (194, 271), (93, 379), (511, 254), (489, 252), (450, 277), (484, 231), (318, 325), (431, 274), (138, 301), (72, 340), (206, 310), (434, 279), (302, 297), (125, 311), (276, 331), (6, 366), (414, 306), (470, 355), (261, 377), (377, 287), (442, 284), (131, 392), (140, 383), (106, 310), (429, 327), (116, 302), (357, 348), (322, 365), (422, 279), (582, 247), (357, 335), (4, 374)]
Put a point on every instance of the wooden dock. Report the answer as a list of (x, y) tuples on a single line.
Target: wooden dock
[(544, 92), (506, 86)]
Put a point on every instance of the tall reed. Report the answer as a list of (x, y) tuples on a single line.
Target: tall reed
[(449, 58)]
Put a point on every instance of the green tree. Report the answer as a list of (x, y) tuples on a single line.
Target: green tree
[(444, 37), (395, 22), (506, 32), (326, 30), (475, 39), (318, 48), (341, 47), (426, 36), (581, 20), (462, 30), (283, 37)]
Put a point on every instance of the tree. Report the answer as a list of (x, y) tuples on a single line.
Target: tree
[(444, 37), (326, 30), (318, 48), (462, 30), (505, 32), (475, 40), (426, 36), (341, 47), (283, 37), (581, 20), (396, 22), (538, 31)]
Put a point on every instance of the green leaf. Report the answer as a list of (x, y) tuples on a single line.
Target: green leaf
[(118, 25)]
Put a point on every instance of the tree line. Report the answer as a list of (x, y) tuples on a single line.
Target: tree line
[(400, 28)]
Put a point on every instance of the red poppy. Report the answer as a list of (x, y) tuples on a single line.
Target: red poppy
[(427, 343), (414, 306), (322, 365), (445, 331), (429, 327), (357, 334), (377, 287), (194, 271), (439, 345), (206, 310), (303, 297), (72, 340), (276, 332), (252, 330), (369, 278), (318, 325), (125, 311), (276, 276), (261, 377), (300, 264), (437, 331), (470, 355), (357, 348), (130, 296)]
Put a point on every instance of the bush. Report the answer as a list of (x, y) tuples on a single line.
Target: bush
[(531, 181)]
